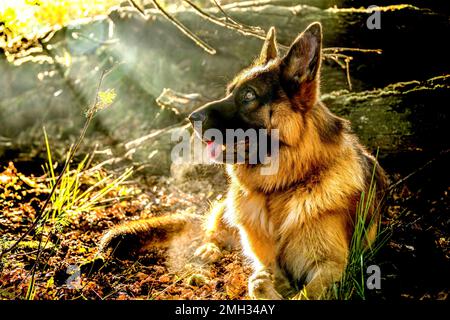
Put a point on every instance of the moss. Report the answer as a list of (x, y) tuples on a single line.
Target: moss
[(400, 88), (29, 245), (388, 117), (380, 8)]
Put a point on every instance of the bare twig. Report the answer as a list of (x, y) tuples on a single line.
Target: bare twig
[(342, 49), (347, 71), (335, 58), (335, 54), (247, 31), (134, 5), (227, 17), (177, 23), (345, 64), (184, 29), (231, 20)]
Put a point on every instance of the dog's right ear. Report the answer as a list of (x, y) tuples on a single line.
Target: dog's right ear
[(269, 50), (300, 67), (302, 61)]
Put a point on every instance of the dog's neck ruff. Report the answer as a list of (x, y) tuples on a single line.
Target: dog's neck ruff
[(249, 177)]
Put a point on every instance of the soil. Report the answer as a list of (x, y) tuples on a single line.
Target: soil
[(163, 273), (414, 263)]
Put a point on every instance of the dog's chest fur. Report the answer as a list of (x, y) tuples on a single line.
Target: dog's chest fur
[(290, 230)]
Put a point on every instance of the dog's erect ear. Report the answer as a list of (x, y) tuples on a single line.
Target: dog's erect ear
[(302, 61), (269, 50)]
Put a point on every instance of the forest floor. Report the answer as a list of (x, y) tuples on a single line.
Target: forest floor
[(414, 263), (159, 274)]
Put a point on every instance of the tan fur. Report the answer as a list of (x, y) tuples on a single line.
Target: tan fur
[(295, 225), (309, 223)]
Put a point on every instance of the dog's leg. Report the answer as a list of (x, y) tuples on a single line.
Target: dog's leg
[(266, 282), (322, 278), (261, 286), (218, 235)]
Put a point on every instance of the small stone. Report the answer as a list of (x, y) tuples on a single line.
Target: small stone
[(197, 280)]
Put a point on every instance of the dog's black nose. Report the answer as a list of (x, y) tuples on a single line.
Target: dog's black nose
[(197, 116)]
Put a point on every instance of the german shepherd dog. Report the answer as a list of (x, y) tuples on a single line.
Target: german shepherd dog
[(296, 224)]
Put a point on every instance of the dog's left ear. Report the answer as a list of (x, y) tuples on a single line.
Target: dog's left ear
[(269, 50), (302, 62)]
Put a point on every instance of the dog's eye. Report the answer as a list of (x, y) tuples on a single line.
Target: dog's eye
[(248, 95)]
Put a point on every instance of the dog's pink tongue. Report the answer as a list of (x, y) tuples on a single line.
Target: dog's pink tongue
[(213, 149)]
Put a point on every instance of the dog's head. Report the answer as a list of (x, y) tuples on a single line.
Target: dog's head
[(273, 93)]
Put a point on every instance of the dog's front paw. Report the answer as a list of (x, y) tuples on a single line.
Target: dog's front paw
[(208, 253), (261, 286)]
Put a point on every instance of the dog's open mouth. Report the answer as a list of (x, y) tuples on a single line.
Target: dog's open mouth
[(237, 152), (214, 149)]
